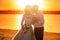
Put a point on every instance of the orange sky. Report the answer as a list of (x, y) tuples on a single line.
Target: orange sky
[(46, 5)]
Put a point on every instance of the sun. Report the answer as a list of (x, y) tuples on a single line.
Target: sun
[(20, 4)]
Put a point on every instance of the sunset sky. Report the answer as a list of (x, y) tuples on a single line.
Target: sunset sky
[(20, 4)]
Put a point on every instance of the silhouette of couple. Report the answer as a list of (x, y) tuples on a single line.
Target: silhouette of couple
[(32, 16)]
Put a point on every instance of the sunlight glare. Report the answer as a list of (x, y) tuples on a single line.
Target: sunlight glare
[(20, 4), (19, 17)]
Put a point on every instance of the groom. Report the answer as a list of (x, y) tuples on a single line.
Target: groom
[(38, 23)]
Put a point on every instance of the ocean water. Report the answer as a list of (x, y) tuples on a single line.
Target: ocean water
[(13, 21)]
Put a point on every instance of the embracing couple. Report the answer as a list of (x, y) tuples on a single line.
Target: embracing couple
[(32, 16)]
